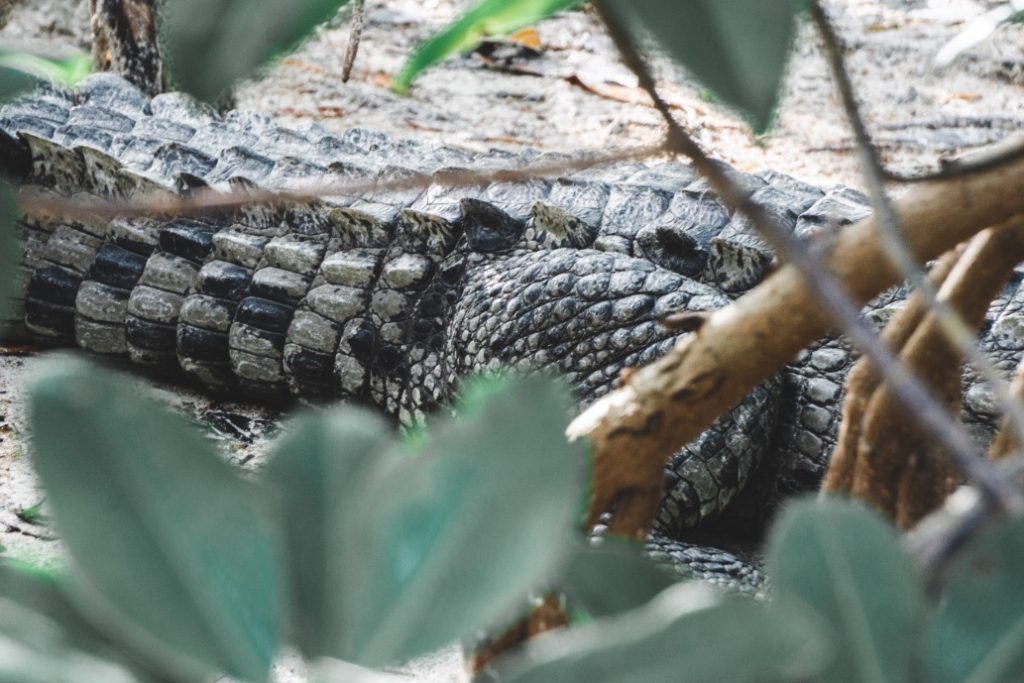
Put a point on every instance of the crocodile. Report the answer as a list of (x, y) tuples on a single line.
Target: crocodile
[(390, 297)]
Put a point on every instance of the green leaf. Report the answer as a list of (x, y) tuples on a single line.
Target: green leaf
[(20, 70), (613, 577), (10, 245), (317, 465), (32, 650), (173, 552), (489, 18), (43, 593), (452, 539), (689, 632), (208, 44), (738, 49), (978, 634), (848, 564)]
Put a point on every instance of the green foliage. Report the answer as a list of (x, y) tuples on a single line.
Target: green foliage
[(849, 565), (688, 632), (489, 18), (20, 70), (172, 546), (208, 44), (737, 49), (612, 578), (978, 634)]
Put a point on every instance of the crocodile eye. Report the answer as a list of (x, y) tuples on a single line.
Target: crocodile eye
[(671, 248)]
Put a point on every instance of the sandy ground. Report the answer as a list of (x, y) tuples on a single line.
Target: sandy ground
[(579, 97)]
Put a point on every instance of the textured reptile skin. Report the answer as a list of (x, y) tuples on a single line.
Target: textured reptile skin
[(390, 298)]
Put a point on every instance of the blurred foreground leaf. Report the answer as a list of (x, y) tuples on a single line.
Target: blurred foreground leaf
[(848, 564), (738, 48), (423, 548), (20, 70), (978, 634), (10, 249), (689, 632), (173, 552), (209, 44), (613, 577)]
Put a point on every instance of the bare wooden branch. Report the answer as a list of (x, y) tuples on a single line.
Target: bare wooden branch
[(864, 379), (356, 24), (959, 332), (668, 403), (882, 476), (125, 41), (1006, 443)]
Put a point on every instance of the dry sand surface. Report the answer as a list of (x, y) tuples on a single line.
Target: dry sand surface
[(577, 96)]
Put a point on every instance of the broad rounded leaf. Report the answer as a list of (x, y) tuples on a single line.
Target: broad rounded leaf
[(10, 249), (43, 594), (688, 633), (172, 550), (489, 18), (738, 49), (848, 564), (320, 467), (208, 44), (978, 634), (613, 577), (453, 537)]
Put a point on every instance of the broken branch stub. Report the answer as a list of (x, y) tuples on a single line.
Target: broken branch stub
[(634, 429)]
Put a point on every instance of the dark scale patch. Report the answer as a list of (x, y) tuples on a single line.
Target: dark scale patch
[(151, 336), (364, 343), (49, 319), (55, 285), (117, 267), (202, 345), (187, 241), (488, 228), (264, 314), (310, 367), (223, 280)]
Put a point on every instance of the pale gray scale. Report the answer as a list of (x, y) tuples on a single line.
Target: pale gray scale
[(352, 268), (609, 174), (630, 208), (668, 177), (172, 159), (442, 199), (293, 173), (281, 285), (71, 247), (103, 119), (398, 198), (207, 312), (49, 111), (801, 195), (164, 129), (838, 207), (518, 199), (747, 182), (296, 253), (240, 246), (155, 305), (171, 273), (257, 368), (84, 136), (220, 135), (182, 108), (713, 565), (109, 91), (283, 142), (100, 337), (12, 125), (134, 151), (427, 233)]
